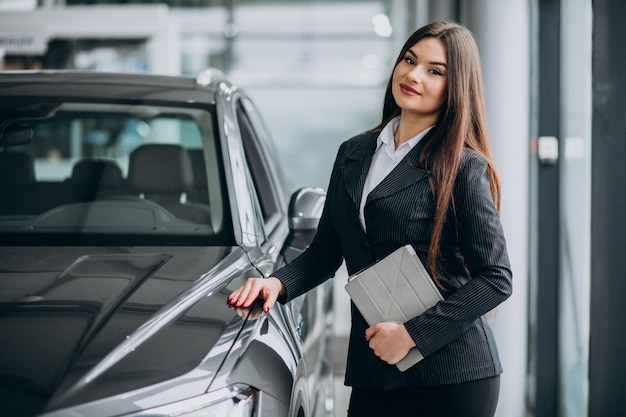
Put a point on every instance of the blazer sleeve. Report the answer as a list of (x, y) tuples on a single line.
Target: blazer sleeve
[(481, 241), (323, 257)]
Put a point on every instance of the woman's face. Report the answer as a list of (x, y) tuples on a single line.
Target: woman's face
[(420, 80)]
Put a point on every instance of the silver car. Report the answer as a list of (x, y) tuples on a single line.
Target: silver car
[(131, 205)]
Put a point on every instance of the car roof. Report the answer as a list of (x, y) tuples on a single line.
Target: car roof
[(105, 85)]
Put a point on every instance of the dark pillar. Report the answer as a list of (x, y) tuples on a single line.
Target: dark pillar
[(543, 346), (607, 358)]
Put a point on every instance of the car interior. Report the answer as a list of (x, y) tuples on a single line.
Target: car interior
[(105, 169)]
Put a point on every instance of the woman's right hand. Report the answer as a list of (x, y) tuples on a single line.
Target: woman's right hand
[(266, 288)]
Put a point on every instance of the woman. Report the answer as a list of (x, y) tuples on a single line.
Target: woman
[(424, 177)]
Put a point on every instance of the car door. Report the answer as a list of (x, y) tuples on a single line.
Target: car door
[(309, 314)]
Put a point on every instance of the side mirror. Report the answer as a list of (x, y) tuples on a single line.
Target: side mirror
[(305, 209)]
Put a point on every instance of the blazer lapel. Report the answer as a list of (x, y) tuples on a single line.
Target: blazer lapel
[(405, 174), (357, 165)]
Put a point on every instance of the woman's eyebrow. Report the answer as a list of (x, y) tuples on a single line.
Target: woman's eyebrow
[(443, 64)]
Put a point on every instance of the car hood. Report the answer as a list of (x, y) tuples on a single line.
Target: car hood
[(79, 324)]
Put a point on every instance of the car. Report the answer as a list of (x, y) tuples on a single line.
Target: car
[(131, 206)]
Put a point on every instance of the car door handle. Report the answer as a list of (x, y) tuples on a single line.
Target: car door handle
[(299, 324)]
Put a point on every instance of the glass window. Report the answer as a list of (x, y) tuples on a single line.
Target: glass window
[(257, 161), (111, 172), (575, 207)]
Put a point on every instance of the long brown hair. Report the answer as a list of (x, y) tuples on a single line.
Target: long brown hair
[(462, 122)]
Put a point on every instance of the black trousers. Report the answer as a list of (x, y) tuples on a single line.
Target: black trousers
[(469, 399)]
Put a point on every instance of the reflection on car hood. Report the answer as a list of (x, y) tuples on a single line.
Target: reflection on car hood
[(63, 312)]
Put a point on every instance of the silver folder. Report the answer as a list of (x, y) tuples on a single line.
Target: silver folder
[(396, 289)]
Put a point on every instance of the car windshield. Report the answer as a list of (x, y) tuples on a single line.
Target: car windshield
[(92, 173)]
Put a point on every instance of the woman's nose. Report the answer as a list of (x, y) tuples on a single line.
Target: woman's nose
[(416, 74)]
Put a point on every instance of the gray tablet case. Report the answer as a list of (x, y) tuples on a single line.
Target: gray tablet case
[(394, 289)]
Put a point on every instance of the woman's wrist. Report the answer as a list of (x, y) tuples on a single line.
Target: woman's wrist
[(280, 285)]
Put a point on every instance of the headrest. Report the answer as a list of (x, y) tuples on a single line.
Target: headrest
[(16, 168), (160, 168), (96, 172), (198, 168)]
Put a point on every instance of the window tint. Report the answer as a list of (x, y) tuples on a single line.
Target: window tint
[(95, 169), (258, 163)]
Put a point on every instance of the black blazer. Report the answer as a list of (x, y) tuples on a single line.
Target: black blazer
[(454, 337)]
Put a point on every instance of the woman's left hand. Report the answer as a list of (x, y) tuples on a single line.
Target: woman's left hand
[(391, 342)]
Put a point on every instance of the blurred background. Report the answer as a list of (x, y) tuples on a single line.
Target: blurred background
[(317, 70)]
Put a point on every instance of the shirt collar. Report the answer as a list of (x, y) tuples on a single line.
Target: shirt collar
[(386, 136)]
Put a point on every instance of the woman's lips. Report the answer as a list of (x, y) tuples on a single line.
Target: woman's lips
[(408, 90)]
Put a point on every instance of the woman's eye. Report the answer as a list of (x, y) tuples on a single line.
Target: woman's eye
[(435, 72), (409, 60)]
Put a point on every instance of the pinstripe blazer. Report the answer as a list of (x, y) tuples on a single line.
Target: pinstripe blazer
[(455, 339)]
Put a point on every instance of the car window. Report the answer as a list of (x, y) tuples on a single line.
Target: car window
[(258, 161), (97, 170)]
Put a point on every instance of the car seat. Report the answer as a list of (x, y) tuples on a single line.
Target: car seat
[(163, 173)]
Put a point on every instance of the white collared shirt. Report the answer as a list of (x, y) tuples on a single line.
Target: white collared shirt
[(385, 159)]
